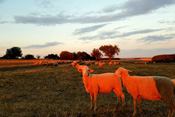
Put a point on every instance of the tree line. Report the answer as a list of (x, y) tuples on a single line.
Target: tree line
[(96, 54)]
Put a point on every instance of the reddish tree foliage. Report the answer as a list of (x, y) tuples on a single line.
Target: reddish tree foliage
[(110, 50), (96, 53), (83, 55), (65, 55)]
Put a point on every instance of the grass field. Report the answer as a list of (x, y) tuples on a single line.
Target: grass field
[(40, 91)]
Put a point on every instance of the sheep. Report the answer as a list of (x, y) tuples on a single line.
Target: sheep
[(100, 65), (104, 63), (110, 63), (148, 87), (118, 63), (50, 64), (79, 67), (96, 63), (173, 80), (74, 63), (102, 83)]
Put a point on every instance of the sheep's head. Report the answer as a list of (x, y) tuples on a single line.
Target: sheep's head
[(76, 65), (121, 72), (86, 71)]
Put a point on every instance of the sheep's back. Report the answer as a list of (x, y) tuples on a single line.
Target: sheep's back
[(106, 82), (165, 87)]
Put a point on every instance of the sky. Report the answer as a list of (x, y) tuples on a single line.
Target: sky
[(140, 28)]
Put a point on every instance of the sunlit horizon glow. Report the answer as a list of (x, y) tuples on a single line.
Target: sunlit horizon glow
[(140, 28)]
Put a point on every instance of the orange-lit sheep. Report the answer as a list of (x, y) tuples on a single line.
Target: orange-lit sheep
[(102, 83), (104, 63), (100, 65), (96, 63), (79, 67), (173, 80), (110, 63), (148, 87)]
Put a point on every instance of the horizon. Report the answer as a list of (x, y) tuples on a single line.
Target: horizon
[(140, 28)]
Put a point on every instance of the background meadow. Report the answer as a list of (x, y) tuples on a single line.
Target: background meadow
[(42, 91)]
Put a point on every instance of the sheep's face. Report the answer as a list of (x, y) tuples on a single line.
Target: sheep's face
[(86, 71), (121, 72)]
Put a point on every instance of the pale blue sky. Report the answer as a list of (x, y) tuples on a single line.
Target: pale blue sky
[(140, 28)]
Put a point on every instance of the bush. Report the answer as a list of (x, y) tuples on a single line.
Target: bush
[(29, 56), (164, 58)]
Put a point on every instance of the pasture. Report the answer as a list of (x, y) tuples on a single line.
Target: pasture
[(27, 90)]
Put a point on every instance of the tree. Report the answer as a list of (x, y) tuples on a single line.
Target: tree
[(83, 56), (38, 56), (96, 53), (65, 55), (13, 53), (110, 50), (29, 56), (52, 56)]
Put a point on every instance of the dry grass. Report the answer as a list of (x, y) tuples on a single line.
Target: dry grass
[(59, 91)]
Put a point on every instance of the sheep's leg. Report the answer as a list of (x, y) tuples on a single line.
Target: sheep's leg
[(95, 100), (135, 109), (139, 102), (118, 97), (171, 105), (123, 99), (92, 103)]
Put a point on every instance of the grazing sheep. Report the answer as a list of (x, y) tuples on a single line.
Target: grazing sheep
[(110, 63), (49, 64), (74, 63), (118, 63), (104, 63), (102, 83), (100, 65), (148, 87), (96, 63)]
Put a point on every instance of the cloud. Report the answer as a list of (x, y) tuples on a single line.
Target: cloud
[(167, 22), (49, 44), (115, 34), (45, 3), (88, 29), (1, 1), (3, 22), (139, 52), (128, 9), (154, 38)]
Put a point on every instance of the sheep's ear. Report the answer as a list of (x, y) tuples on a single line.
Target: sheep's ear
[(80, 70), (90, 70), (118, 73)]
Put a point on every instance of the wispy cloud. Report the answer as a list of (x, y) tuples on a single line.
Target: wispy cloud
[(45, 3), (128, 9), (154, 38), (116, 34), (3, 22), (88, 29), (167, 22), (139, 52), (49, 44)]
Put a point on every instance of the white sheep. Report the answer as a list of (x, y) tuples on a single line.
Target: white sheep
[(148, 87), (102, 83)]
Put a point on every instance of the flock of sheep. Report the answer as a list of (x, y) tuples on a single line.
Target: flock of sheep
[(147, 87)]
